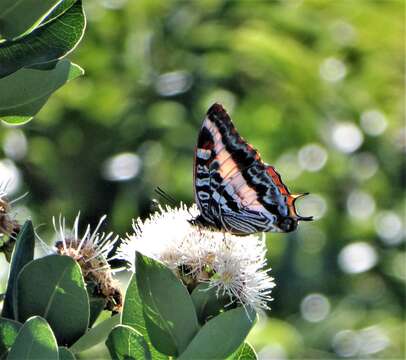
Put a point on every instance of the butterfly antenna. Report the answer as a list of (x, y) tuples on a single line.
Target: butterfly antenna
[(164, 195)]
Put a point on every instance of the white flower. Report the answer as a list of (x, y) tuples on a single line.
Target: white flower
[(91, 251), (3, 190), (234, 265)]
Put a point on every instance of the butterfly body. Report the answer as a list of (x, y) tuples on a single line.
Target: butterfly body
[(235, 190)]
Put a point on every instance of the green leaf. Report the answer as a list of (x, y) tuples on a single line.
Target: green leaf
[(159, 336), (16, 120), (133, 315), (34, 341), (22, 254), (58, 10), (167, 305), (244, 352), (65, 354), (221, 336), (23, 93), (95, 335), (8, 333), (125, 343), (132, 310), (96, 305), (50, 41), (56, 290), (206, 303), (16, 17)]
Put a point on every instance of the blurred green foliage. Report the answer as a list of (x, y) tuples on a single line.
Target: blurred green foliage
[(316, 86)]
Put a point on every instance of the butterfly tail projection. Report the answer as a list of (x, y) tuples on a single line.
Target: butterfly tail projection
[(292, 209)]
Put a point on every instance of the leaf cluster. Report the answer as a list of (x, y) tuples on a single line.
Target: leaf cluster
[(46, 305), (48, 312), (34, 40), (161, 319)]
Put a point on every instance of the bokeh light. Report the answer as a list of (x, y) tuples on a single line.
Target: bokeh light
[(121, 167), (343, 33), (364, 165), (173, 83), (288, 165), (272, 352), (347, 137), (367, 341), (15, 144), (113, 4), (360, 205), (357, 257), (346, 343), (10, 175), (373, 340), (315, 307), (312, 157), (333, 70), (312, 205), (373, 122), (389, 227)]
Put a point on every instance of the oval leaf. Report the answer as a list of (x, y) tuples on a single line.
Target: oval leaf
[(168, 307), (133, 315), (221, 336), (23, 93), (132, 310), (8, 333), (56, 291), (16, 17), (95, 335), (206, 302), (124, 343), (50, 41), (34, 341), (23, 253)]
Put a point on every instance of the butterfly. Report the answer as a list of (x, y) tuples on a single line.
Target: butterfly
[(235, 191)]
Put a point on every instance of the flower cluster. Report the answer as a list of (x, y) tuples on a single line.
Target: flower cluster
[(234, 265), (91, 251)]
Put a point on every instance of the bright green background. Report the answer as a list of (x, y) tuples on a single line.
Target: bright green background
[(271, 64)]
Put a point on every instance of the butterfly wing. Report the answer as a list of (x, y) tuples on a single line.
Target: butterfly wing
[(234, 189), (204, 156)]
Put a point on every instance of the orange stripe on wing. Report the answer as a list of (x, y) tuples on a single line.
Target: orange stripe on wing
[(277, 180), (290, 198)]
